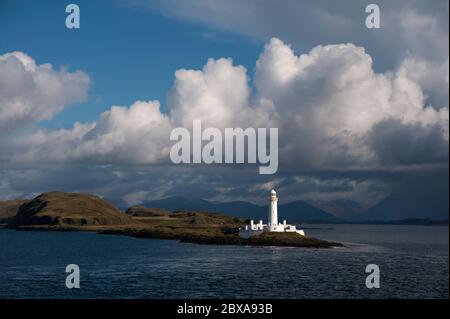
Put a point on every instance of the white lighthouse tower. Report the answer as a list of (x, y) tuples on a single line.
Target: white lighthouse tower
[(273, 211), (272, 225)]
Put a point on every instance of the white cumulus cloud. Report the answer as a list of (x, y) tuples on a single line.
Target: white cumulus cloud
[(131, 135), (30, 92), (332, 109)]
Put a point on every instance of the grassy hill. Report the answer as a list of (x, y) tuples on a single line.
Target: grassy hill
[(73, 211), (68, 209), (182, 218), (8, 209), (205, 228), (160, 223)]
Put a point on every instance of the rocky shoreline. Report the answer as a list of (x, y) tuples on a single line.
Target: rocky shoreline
[(265, 239), (191, 236)]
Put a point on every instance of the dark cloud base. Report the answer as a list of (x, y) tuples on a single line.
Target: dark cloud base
[(425, 188)]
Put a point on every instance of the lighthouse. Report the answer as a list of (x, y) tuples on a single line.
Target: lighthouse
[(272, 225), (273, 211)]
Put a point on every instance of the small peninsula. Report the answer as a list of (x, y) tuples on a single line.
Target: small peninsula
[(61, 211)]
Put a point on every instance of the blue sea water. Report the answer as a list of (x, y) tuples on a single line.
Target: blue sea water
[(413, 263)]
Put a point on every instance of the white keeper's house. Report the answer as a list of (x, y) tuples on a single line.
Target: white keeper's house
[(272, 225)]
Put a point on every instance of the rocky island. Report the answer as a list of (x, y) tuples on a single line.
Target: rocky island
[(8, 210), (82, 212)]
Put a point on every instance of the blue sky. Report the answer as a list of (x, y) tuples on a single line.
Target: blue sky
[(362, 113), (129, 53)]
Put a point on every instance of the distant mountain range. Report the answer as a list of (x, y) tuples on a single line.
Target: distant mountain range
[(393, 208), (396, 208), (404, 206), (298, 211), (342, 208)]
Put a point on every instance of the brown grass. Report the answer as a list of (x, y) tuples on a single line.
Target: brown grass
[(81, 212)]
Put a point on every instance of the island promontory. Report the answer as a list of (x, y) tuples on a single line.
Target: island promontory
[(85, 212)]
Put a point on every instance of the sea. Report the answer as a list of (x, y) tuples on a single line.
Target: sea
[(412, 263)]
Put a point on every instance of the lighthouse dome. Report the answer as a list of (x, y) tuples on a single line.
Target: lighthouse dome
[(273, 192)]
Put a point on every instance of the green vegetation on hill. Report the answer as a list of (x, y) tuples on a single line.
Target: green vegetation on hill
[(205, 228), (68, 209), (72, 211), (140, 211)]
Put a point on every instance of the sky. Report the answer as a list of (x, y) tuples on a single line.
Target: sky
[(362, 113)]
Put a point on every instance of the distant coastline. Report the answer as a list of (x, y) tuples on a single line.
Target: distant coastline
[(406, 222)]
